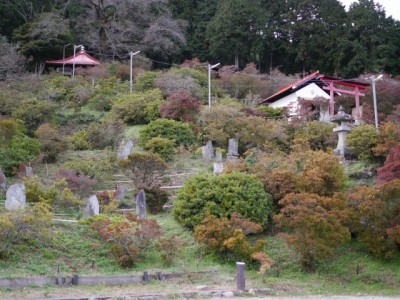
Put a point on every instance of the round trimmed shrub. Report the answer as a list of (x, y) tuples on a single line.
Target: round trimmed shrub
[(168, 129), (161, 146), (222, 196), (155, 199)]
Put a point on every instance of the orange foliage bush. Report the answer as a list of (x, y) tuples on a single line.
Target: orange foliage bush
[(311, 226), (129, 238), (227, 238)]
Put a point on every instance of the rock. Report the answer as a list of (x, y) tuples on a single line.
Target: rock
[(141, 205), (202, 287), (125, 149), (92, 207), (207, 151), (120, 192), (15, 197), (218, 156), (227, 294)]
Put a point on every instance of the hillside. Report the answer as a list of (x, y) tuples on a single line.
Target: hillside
[(316, 225)]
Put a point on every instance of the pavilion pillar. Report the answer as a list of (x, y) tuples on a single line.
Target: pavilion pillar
[(331, 101)]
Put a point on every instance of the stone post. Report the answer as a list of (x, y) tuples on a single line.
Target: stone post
[(342, 129), (240, 276)]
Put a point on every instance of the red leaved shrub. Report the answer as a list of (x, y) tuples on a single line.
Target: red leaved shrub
[(391, 168), (180, 106)]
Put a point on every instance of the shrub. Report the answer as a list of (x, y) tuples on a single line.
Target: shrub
[(391, 168), (220, 123), (132, 108), (33, 113), (180, 106), (361, 141), (227, 237), (56, 194), (168, 129), (8, 129), (79, 140), (184, 78), (319, 135), (22, 227), (312, 227), (129, 238), (161, 146), (270, 112), (168, 247), (222, 196), (19, 149), (388, 137), (145, 81), (106, 133), (375, 215), (52, 142), (146, 168), (155, 199), (78, 183)]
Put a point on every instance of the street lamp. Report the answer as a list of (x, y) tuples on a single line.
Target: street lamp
[(131, 81), (64, 57), (374, 95), (73, 62), (210, 67)]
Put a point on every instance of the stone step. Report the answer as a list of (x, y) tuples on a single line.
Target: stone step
[(171, 187)]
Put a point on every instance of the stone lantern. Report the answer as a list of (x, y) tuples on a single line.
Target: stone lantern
[(343, 127)]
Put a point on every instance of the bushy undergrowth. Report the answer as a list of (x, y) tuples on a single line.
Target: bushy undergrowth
[(222, 196)]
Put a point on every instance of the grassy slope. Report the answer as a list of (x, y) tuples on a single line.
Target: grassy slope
[(76, 249)]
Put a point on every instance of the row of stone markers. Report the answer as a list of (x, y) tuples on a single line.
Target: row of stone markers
[(209, 153)]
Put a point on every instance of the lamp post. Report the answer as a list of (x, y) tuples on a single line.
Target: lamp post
[(73, 62), (131, 75), (374, 96), (210, 67), (64, 57)]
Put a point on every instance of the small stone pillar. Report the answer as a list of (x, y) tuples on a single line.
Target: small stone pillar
[(207, 151), (342, 129)]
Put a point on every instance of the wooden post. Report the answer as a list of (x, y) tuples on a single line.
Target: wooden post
[(160, 276), (75, 279), (59, 276), (146, 276), (240, 276)]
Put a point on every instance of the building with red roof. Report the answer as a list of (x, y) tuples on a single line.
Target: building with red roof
[(316, 86), (80, 59)]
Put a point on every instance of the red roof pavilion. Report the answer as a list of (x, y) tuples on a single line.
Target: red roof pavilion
[(81, 59)]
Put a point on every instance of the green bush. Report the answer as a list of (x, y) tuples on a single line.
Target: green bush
[(145, 81), (79, 140), (33, 113), (155, 199), (361, 141), (222, 196), (169, 129), (52, 142), (319, 135), (161, 146), (23, 227), (132, 108), (107, 132), (8, 129), (19, 149)]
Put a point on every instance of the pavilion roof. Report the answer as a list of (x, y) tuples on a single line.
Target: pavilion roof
[(318, 79), (81, 58)]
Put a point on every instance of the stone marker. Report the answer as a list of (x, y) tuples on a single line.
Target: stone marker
[(92, 207), (28, 172), (233, 149), (125, 149), (218, 168), (120, 192), (15, 197), (207, 151), (218, 155), (240, 276), (2, 180), (141, 205)]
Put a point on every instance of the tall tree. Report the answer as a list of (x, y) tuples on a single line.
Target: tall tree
[(113, 28), (237, 30)]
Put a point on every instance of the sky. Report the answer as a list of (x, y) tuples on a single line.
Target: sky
[(392, 7)]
